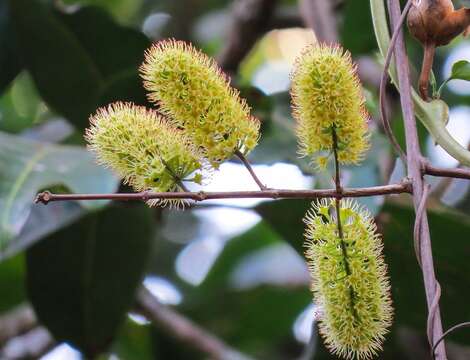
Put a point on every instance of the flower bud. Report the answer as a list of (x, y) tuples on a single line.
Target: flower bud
[(349, 280), (191, 89), (142, 148), (327, 96)]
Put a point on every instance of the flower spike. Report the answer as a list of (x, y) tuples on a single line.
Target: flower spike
[(143, 149), (327, 96), (191, 90), (349, 280)]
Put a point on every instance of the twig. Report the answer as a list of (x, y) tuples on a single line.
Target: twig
[(31, 345), (17, 321), (451, 330), (250, 19), (388, 59), (183, 329), (414, 165), (247, 164), (318, 15), (456, 173), (399, 188)]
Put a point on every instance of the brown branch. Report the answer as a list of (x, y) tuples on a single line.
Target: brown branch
[(183, 329), (31, 345), (17, 321), (382, 90), (319, 15), (250, 19), (247, 164), (399, 188), (414, 165), (456, 173)]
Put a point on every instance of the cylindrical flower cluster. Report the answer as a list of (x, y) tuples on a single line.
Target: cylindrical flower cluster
[(192, 91), (142, 148), (327, 97), (349, 280)]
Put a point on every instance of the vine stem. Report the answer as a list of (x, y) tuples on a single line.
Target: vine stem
[(248, 166), (415, 171)]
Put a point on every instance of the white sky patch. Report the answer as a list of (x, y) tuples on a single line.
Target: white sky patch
[(273, 77), (222, 224), (196, 259), (62, 352), (460, 52), (231, 177), (262, 267), (302, 327), (459, 128), (163, 290)]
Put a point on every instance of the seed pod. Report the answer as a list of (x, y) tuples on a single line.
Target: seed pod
[(435, 23), (191, 89), (143, 149), (349, 280), (327, 95)]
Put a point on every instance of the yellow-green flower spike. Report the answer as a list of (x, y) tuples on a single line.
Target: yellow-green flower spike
[(326, 95), (141, 147), (352, 290), (191, 89)]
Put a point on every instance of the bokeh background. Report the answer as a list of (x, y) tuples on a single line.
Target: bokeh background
[(233, 267)]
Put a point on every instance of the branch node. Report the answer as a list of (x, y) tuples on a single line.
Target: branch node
[(43, 197)]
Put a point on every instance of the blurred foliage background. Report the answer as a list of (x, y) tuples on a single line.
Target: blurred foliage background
[(233, 267)]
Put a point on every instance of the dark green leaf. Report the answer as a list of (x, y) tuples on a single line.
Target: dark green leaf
[(10, 63), (112, 47), (81, 280), (461, 70), (449, 233), (12, 276), (285, 217), (79, 61), (65, 75), (134, 342), (357, 32)]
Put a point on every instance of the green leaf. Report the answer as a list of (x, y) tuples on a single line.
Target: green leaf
[(82, 280), (450, 250), (357, 32), (64, 73), (10, 63), (285, 217), (12, 276), (134, 342), (78, 60), (460, 70), (112, 47), (28, 166)]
